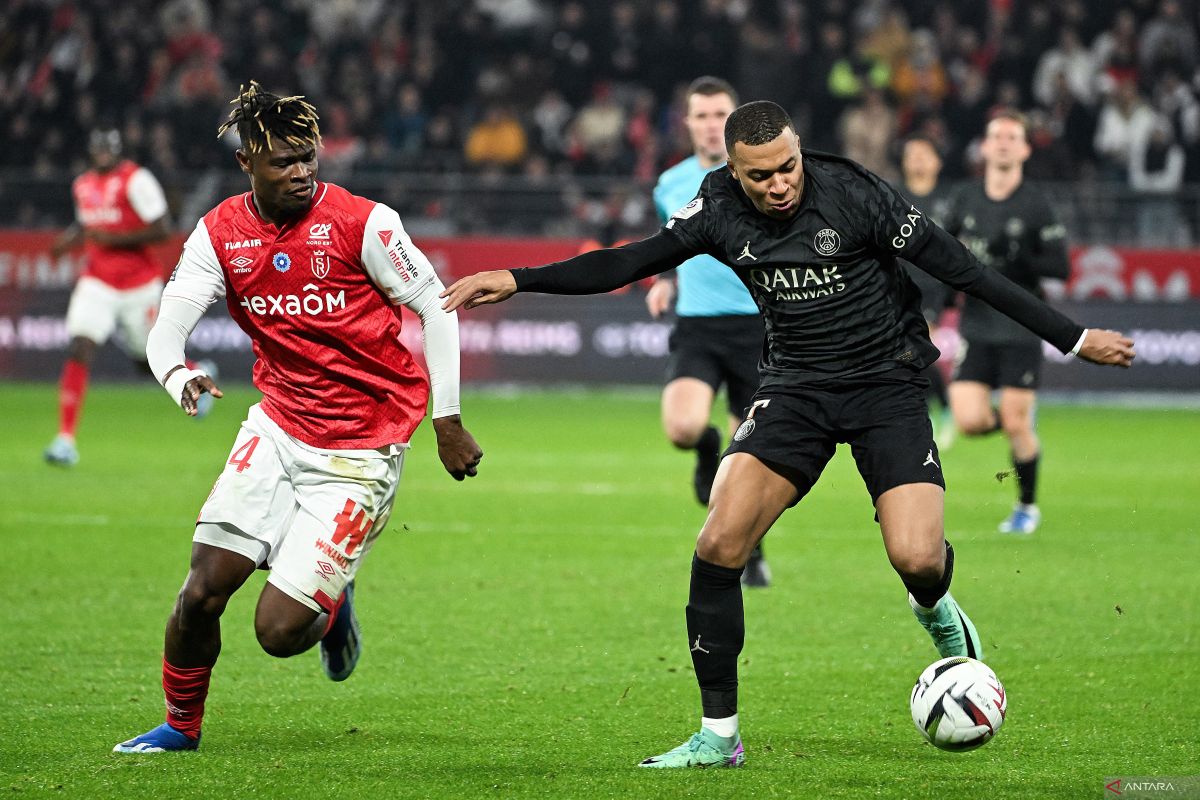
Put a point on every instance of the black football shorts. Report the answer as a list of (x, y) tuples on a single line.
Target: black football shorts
[(719, 351), (1017, 366), (886, 423)]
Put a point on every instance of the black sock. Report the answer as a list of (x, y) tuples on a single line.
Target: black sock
[(716, 632), (1027, 478), (928, 596), (708, 459), (709, 441)]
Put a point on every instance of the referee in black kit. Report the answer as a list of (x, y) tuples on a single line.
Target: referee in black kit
[(1009, 226), (816, 239)]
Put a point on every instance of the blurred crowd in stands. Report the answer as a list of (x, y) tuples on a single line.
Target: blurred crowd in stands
[(546, 88)]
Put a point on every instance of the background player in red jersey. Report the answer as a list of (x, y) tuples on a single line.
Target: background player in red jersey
[(120, 210), (314, 276)]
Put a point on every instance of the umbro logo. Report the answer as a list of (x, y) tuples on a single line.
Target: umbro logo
[(747, 254), (929, 460), (242, 263)]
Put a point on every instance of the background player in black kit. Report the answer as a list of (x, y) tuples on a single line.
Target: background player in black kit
[(845, 346), (1009, 226)]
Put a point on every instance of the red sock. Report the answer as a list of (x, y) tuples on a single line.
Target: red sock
[(331, 610), (185, 691), (71, 389)]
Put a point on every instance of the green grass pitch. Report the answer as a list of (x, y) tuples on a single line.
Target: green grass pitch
[(524, 631)]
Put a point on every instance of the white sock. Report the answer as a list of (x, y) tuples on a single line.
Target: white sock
[(726, 727), (920, 609)]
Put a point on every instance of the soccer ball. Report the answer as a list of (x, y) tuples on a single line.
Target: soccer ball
[(958, 703)]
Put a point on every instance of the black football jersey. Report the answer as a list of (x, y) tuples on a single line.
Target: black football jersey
[(837, 303), (1019, 237), (827, 281)]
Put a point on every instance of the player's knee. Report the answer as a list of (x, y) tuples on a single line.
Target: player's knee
[(1017, 424), (81, 349), (922, 567), (974, 424), (277, 639), (199, 604), (723, 550), (684, 433)]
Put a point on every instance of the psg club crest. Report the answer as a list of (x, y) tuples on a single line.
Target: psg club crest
[(320, 264), (827, 241), (282, 262)]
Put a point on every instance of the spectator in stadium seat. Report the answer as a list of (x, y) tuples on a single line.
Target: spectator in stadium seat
[(497, 140), (1156, 169), (867, 131), (1072, 61), (1167, 40), (1124, 117)]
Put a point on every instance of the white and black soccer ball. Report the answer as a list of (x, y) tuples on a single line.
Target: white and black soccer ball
[(958, 703)]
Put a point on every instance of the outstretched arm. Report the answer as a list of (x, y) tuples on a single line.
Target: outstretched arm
[(164, 350), (945, 258), (196, 283), (404, 274), (595, 272)]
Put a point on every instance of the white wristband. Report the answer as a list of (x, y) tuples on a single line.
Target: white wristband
[(1079, 344), (177, 380)]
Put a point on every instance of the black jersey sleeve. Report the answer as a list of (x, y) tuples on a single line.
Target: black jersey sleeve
[(896, 226), (1049, 257), (603, 270), (945, 258)]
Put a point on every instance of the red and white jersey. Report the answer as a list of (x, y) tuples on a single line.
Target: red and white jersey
[(318, 298), (124, 199)]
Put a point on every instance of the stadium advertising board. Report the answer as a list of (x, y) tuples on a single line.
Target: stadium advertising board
[(1154, 295)]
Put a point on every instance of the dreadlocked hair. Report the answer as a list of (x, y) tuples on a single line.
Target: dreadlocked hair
[(259, 115)]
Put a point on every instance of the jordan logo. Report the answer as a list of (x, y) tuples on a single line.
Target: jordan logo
[(929, 460), (747, 254), (696, 648)]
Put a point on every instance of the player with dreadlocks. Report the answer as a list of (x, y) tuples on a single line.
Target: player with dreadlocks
[(314, 276)]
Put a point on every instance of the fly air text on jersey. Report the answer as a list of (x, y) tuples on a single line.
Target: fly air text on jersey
[(243, 243), (799, 283)]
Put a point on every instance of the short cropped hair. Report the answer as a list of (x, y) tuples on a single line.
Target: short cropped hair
[(1012, 115), (921, 137), (755, 123), (708, 86)]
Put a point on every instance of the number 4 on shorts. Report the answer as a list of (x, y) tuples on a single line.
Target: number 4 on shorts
[(241, 456)]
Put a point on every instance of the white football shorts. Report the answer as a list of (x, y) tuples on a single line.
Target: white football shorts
[(309, 515), (97, 309)]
